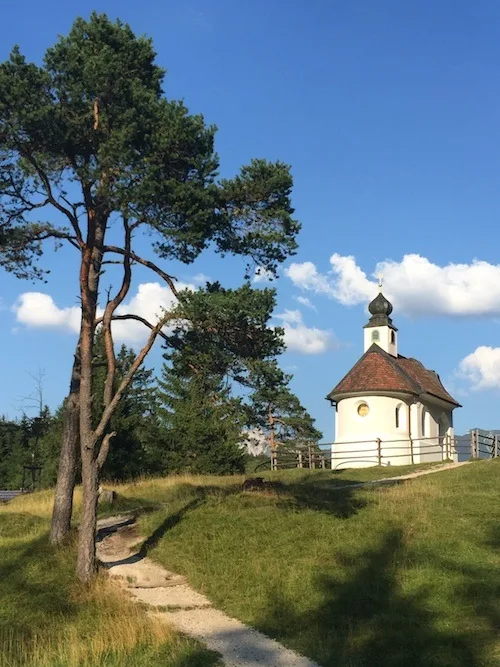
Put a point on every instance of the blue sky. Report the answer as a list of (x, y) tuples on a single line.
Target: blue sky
[(388, 113)]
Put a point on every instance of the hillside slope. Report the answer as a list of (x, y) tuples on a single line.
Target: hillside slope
[(401, 575)]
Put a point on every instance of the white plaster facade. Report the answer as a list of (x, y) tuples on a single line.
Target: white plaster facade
[(398, 428), (390, 427)]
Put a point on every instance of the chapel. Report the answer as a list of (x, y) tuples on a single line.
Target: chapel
[(390, 409)]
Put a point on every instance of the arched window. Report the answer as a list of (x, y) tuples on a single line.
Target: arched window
[(375, 336), (393, 337), (398, 416), (424, 421)]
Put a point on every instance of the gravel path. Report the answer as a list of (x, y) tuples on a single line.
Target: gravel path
[(174, 601), (397, 478)]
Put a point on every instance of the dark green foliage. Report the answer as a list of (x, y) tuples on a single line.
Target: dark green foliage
[(228, 330), (21, 446), (202, 424), (13, 453), (95, 114), (272, 396), (225, 356)]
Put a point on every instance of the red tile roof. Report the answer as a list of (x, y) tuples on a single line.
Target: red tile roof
[(379, 371)]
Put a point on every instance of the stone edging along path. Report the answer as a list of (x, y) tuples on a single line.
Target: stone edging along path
[(172, 600)]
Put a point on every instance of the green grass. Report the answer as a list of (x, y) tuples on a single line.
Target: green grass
[(406, 574), (48, 620)]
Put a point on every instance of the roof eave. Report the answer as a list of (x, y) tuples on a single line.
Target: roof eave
[(336, 396), (427, 395)]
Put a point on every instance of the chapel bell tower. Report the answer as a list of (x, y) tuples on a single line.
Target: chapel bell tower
[(380, 329)]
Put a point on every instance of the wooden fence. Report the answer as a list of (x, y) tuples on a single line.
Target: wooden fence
[(478, 444)]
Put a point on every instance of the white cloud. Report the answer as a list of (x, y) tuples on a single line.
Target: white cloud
[(262, 275), (304, 301), (300, 338), (482, 367), (38, 310), (201, 279), (415, 285)]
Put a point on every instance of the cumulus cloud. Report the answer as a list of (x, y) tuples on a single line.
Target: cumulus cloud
[(262, 275), (38, 310), (415, 285), (482, 367), (304, 301), (300, 338), (201, 279)]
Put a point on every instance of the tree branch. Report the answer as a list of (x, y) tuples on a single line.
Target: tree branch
[(138, 318), (150, 265), (111, 306), (123, 386), (50, 195), (104, 449)]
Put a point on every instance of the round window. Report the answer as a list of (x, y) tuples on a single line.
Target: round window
[(363, 410)]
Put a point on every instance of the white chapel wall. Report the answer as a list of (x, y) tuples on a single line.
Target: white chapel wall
[(356, 435)]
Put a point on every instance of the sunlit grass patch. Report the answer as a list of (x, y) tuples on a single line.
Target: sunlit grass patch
[(400, 574)]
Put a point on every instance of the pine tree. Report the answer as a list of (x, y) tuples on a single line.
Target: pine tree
[(203, 424), (89, 133)]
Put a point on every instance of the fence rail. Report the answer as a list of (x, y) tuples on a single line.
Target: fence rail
[(477, 444)]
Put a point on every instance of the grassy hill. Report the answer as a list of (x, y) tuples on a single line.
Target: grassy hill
[(399, 575)]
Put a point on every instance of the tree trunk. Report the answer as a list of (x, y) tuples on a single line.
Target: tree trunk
[(66, 472), (86, 565), (89, 289)]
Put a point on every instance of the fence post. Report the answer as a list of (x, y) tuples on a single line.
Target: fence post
[(411, 451), (379, 451), (495, 443), (323, 464), (301, 464), (472, 447), (310, 455)]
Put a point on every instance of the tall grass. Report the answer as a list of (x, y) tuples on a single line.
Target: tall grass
[(391, 576), (48, 619)]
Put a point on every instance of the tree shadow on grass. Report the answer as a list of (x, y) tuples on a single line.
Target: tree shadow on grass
[(32, 593), (294, 497), (364, 620)]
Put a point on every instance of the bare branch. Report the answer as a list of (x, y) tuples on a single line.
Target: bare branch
[(137, 318), (127, 379), (170, 280), (111, 306), (50, 195), (104, 449)]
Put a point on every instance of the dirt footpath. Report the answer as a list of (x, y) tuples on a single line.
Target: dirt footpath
[(171, 599)]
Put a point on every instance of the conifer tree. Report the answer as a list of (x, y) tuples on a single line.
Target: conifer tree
[(88, 140), (202, 423)]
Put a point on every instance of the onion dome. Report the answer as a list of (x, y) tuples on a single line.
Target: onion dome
[(380, 309)]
